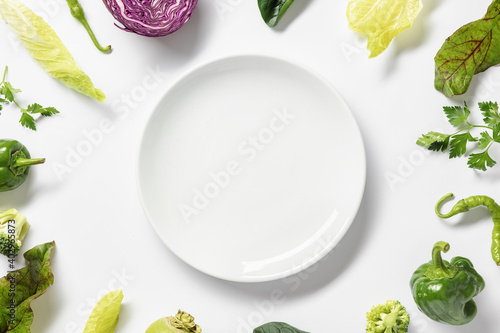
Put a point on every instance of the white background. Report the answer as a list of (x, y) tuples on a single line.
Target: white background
[(93, 212)]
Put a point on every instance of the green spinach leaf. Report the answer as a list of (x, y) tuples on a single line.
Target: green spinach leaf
[(273, 10), (277, 327), (471, 49)]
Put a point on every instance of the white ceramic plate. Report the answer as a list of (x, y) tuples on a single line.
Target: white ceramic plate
[(251, 168)]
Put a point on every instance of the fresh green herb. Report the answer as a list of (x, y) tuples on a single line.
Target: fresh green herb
[(182, 322), (15, 164), (104, 316), (471, 49), (388, 317), (27, 120), (464, 205), (457, 142), (13, 229), (46, 48), (277, 327), (444, 291), (18, 288), (273, 10), (78, 13)]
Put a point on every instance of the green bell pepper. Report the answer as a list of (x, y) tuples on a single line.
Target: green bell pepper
[(444, 290), (15, 162)]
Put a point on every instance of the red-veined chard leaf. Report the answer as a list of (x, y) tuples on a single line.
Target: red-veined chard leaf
[(273, 10), (28, 283), (471, 49)]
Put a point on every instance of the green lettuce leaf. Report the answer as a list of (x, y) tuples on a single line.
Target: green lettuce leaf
[(471, 49), (104, 316), (46, 48), (28, 283)]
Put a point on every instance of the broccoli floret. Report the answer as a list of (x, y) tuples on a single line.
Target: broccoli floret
[(390, 317), (13, 229)]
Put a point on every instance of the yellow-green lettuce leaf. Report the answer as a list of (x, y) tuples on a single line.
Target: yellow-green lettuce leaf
[(381, 20), (46, 48), (104, 316)]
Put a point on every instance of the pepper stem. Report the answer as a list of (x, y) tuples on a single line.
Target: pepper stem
[(438, 205), (93, 37), (77, 12), (437, 260), (24, 162), (439, 268)]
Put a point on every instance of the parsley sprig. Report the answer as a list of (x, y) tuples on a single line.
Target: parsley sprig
[(7, 95), (457, 142)]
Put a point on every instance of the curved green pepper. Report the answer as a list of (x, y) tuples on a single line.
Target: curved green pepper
[(465, 204), (444, 290), (15, 162)]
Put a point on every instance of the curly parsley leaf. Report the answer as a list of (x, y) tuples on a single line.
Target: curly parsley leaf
[(485, 140), (457, 143), (28, 284), (434, 141), (7, 95), (28, 121), (490, 112), (480, 161), (456, 114)]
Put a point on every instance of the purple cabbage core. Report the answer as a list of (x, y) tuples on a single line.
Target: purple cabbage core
[(152, 18)]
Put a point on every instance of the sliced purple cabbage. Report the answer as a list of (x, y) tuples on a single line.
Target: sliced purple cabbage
[(152, 18)]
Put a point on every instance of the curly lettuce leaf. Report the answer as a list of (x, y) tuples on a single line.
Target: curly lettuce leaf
[(46, 48), (471, 49), (381, 20), (104, 316), (28, 283)]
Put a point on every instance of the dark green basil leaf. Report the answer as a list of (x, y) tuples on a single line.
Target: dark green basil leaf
[(471, 49), (273, 10), (277, 327)]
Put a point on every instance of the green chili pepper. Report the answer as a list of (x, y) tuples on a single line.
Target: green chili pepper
[(444, 290), (471, 202), (15, 162), (78, 13)]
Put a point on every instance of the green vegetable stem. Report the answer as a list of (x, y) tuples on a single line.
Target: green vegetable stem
[(444, 290), (78, 13), (464, 205), (15, 163)]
